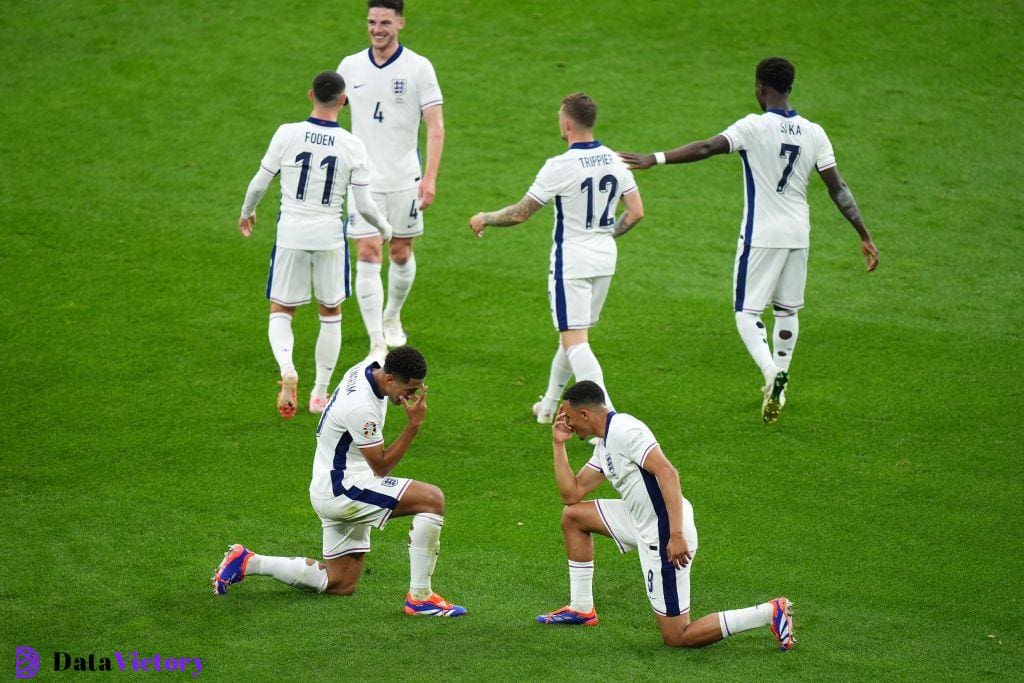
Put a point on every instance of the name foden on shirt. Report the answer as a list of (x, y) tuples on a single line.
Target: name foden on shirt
[(319, 138)]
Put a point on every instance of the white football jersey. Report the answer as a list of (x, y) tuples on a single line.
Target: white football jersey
[(779, 150), (353, 419), (387, 101), (317, 161), (620, 456), (586, 183)]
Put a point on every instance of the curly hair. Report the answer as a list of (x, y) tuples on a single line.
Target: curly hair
[(777, 73), (405, 363), (585, 393)]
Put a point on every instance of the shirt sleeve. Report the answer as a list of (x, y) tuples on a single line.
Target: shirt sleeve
[(430, 91), (741, 133), (271, 162), (826, 157), (639, 442), (360, 175), (547, 184), (364, 426), (594, 463), (628, 183)]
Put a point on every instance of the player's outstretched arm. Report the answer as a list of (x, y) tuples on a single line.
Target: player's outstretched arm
[(572, 487), (383, 460), (434, 120), (694, 151), (633, 214), (367, 208), (510, 215), (257, 188), (668, 481), (840, 193)]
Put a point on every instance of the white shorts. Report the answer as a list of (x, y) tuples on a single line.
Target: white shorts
[(764, 276), (667, 588), (347, 519), (576, 304), (398, 207), (292, 271)]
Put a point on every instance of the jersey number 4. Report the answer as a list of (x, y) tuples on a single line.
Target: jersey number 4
[(378, 115), (793, 151), (607, 184), (305, 159)]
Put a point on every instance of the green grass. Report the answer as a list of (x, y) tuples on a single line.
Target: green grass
[(140, 436)]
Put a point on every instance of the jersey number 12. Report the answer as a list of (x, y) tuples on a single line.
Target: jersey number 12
[(607, 184)]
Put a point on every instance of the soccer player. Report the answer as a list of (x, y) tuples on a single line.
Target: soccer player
[(586, 183), (779, 148), (352, 490), (392, 89), (652, 517), (318, 161)]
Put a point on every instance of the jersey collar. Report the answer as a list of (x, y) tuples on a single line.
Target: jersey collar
[(322, 122), (788, 113), (369, 53), (593, 144), (373, 383), (607, 425)]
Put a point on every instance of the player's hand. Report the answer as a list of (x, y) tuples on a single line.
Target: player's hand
[(387, 233), (476, 224), (678, 551), (637, 162), (870, 251), (246, 224), (560, 429), (416, 407), (425, 196)]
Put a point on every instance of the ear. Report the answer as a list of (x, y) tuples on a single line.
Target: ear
[(311, 97), (342, 99)]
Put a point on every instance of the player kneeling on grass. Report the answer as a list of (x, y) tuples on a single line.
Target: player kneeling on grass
[(652, 516), (351, 490)]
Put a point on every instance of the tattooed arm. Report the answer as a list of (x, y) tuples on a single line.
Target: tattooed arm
[(847, 205), (633, 214), (510, 215)]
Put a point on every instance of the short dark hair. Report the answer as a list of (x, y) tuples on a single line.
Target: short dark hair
[(397, 5), (328, 86), (580, 108), (405, 363), (585, 393), (777, 73)]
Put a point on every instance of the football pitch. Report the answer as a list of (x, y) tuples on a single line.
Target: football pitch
[(140, 437)]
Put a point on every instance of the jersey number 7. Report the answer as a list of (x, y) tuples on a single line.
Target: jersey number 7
[(793, 151)]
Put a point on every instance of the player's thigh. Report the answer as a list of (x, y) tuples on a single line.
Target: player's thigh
[(599, 287), (667, 587), (330, 280), (613, 516), (341, 538), (405, 218), (289, 282), (571, 303), (789, 288), (357, 227), (420, 497), (755, 274), (343, 572)]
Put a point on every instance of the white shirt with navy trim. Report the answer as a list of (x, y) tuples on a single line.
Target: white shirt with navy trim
[(586, 183), (620, 456), (317, 160), (353, 419), (779, 150), (387, 102)]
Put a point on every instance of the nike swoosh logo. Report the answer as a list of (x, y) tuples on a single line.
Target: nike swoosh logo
[(358, 86)]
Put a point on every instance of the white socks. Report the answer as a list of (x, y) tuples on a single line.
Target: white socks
[(787, 327), (736, 620), (328, 346), (282, 341), (290, 570), (424, 545), (585, 366), (561, 371), (752, 333), (400, 278), (370, 292), (581, 586)]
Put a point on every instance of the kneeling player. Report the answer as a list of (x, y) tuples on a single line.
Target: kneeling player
[(351, 490), (652, 516)]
